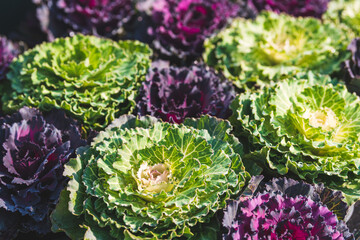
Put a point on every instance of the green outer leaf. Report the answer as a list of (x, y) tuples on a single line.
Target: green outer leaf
[(276, 46), (94, 79), (283, 142), (63, 220), (206, 170)]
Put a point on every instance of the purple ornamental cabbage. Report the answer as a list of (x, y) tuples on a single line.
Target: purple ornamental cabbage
[(173, 94), (181, 26), (287, 209), (96, 17), (352, 67), (8, 51), (297, 8), (33, 151), (105, 18)]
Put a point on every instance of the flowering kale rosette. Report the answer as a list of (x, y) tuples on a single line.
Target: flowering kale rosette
[(90, 17), (345, 12), (306, 127), (352, 67), (172, 94), (181, 26), (276, 46), (286, 209), (94, 79), (297, 8), (146, 179), (8, 51), (33, 152)]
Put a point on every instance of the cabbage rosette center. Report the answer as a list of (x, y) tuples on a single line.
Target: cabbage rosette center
[(147, 179)]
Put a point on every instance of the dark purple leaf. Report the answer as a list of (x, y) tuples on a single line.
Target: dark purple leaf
[(352, 67)]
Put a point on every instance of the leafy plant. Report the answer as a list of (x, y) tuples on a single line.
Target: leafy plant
[(181, 26), (345, 12), (303, 127), (33, 151), (94, 79), (145, 179), (173, 94), (106, 18), (275, 47), (286, 209)]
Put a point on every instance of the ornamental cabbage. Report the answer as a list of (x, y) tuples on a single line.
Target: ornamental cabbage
[(8, 51), (172, 94), (302, 8), (181, 26), (352, 67), (286, 209), (92, 78), (33, 151), (90, 17), (302, 127), (275, 47), (146, 179), (345, 12)]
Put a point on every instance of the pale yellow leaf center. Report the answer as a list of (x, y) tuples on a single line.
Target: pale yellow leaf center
[(154, 178), (324, 118)]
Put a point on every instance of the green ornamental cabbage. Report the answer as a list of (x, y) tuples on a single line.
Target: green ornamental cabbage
[(305, 128), (345, 12), (95, 79), (146, 179), (273, 47)]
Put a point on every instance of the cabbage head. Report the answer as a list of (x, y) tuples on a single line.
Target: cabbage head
[(33, 150), (94, 79), (304, 127), (146, 179), (275, 46), (173, 94), (90, 17), (287, 209), (345, 12)]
